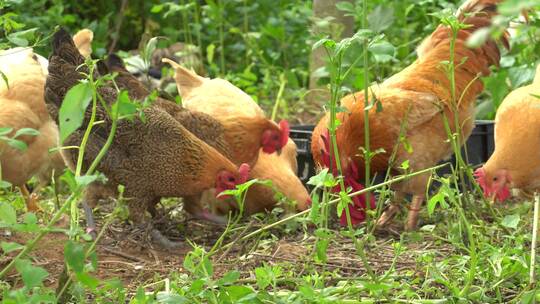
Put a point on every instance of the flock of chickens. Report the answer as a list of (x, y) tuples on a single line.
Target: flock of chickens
[(219, 137)]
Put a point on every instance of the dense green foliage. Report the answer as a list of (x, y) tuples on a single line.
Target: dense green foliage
[(258, 45)]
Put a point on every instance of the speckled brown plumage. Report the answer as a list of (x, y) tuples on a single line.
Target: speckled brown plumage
[(153, 159)]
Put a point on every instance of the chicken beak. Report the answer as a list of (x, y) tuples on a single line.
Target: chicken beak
[(278, 151)]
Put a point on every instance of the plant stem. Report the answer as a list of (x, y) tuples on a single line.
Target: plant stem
[(221, 37), (532, 276), (282, 83), (367, 148), (87, 253)]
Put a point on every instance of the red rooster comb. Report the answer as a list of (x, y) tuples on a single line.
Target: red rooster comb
[(243, 170), (285, 129)]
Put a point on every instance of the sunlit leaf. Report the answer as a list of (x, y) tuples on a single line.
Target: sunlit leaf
[(17, 144), (511, 221), (32, 276), (74, 256), (7, 213), (26, 131), (71, 114), (381, 18), (8, 247)]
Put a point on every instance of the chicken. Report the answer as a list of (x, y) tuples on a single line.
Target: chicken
[(152, 159), (22, 105), (224, 101), (418, 96), (515, 163), (200, 124)]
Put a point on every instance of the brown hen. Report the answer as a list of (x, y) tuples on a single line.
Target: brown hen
[(420, 96), (152, 159)]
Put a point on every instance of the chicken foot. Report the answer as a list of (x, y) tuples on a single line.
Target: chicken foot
[(414, 210), (137, 213), (392, 210)]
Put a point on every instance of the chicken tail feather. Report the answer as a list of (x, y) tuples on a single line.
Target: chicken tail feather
[(63, 70), (477, 14)]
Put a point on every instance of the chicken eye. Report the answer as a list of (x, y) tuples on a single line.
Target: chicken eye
[(495, 179), (231, 179)]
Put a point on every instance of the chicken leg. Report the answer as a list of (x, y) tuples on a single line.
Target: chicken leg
[(91, 227), (30, 198), (412, 217), (137, 212)]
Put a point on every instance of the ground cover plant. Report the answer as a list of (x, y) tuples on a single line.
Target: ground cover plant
[(466, 249)]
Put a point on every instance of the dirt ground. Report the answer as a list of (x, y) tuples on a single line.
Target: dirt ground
[(126, 253)]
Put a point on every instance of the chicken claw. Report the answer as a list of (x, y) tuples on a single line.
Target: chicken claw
[(163, 241), (388, 215), (31, 199)]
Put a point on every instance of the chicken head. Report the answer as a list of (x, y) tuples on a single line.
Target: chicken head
[(494, 185)]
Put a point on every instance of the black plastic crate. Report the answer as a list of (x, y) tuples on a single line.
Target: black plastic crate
[(480, 146)]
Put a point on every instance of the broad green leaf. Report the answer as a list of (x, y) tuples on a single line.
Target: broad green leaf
[(87, 280), (5, 130), (157, 8), (345, 7), (434, 201), (381, 18), (22, 38), (229, 278), (262, 277), (497, 87), (196, 286), (521, 75), (86, 180), (511, 221), (8, 247), (383, 51), (149, 49), (74, 256), (30, 223), (328, 43), (26, 131), (4, 184), (71, 114), (32, 276), (124, 105), (314, 214), (321, 248), (239, 293), (515, 7), (17, 144), (8, 214)]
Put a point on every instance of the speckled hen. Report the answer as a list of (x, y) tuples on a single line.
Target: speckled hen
[(152, 159)]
